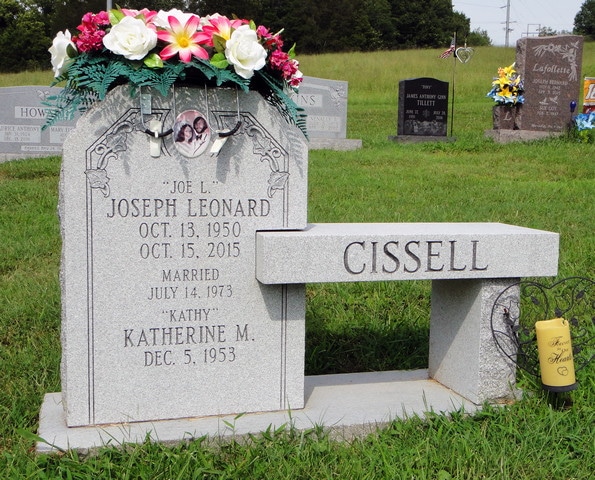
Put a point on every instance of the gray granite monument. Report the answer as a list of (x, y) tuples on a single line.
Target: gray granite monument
[(550, 68), (551, 71), (325, 103), (162, 314), (22, 117)]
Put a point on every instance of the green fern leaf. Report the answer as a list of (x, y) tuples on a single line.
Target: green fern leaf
[(272, 90), (220, 76), (161, 79)]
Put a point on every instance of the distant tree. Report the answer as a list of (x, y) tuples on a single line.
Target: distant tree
[(584, 21), (426, 23), (547, 32), (67, 14), (28, 26), (479, 38), (23, 38), (241, 8), (461, 24), (379, 16)]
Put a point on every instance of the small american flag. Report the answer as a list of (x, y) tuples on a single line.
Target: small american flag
[(448, 52)]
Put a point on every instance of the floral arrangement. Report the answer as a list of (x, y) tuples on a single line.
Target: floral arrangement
[(584, 124), (507, 88), (156, 49)]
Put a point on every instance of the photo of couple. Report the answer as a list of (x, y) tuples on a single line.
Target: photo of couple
[(191, 133)]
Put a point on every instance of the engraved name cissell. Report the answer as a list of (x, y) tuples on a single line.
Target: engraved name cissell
[(412, 256), (190, 207)]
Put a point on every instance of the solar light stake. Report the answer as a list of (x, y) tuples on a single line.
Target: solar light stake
[(555, 355)]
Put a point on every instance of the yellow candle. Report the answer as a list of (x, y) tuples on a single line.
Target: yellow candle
[(555, 355)]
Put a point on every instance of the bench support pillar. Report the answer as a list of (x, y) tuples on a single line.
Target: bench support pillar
[(463, 354)]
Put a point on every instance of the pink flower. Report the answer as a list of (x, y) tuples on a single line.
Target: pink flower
[(145, 12), (278, 58), (270, 41), (219, 26), (183, 40), (92, 32), (288, 67), (296, 79)]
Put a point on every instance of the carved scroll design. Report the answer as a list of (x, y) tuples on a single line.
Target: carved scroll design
[(110, 145), (264, 146), (567, 52)]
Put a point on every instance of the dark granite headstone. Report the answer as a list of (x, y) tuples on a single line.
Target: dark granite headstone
[(551, 70), (423, 107)]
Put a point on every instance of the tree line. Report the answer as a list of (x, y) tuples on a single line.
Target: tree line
[(27, 27)]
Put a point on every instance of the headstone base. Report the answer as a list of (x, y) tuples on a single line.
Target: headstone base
[(508, 136), (420, 138), (339, 144), (9, 157), (349, 404)]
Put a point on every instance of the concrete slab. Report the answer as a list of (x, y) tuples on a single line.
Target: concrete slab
[(348, 404), (509, 136), (420, 138)]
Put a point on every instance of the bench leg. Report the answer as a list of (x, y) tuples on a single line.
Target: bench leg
[(463, 354)]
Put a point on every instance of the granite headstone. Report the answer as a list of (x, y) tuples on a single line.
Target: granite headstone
[(423, 108), (22, 117), (551, 70), (325, 104), (162, 314)]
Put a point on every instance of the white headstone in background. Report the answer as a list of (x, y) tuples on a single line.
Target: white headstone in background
[(325, 103), (162, 314), (22, 117)]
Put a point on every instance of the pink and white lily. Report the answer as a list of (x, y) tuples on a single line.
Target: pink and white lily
[(183, 40)]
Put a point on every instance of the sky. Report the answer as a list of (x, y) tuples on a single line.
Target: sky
[(525, 16)]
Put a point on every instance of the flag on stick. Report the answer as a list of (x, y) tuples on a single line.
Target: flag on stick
[(449, 51)]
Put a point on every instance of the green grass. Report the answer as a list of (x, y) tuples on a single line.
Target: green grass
[(549, 184)]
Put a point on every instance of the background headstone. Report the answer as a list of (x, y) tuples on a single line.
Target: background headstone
[(22, 117), (162, 314), (422, 109), (325, 104), (550, 68)]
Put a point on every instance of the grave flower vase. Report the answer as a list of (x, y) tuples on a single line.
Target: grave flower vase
[(505, 117)]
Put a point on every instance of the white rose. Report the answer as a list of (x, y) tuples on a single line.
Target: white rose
[(244, 52), (161, 19), (59, 52), (131, 38)]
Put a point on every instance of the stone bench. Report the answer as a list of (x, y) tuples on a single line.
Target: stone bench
[(469, 265)]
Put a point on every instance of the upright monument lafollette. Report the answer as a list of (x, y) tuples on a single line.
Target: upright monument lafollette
[(550, 68), (422, 110)]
